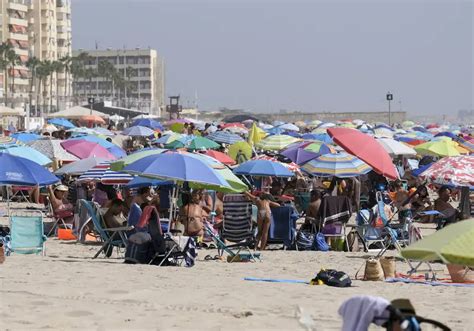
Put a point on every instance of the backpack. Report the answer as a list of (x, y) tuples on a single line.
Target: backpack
[(332, 277), (304, 240), (319, 243)]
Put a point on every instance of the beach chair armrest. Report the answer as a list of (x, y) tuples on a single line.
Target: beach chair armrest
[(120, 229)]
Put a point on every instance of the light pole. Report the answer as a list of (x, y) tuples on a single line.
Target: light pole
[(389, 99)]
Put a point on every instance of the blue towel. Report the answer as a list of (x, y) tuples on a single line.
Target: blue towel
[(411, 281), (282, 226), (271, 280)]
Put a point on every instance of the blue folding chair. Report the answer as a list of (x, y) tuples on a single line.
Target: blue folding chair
[(27, 234), (283, 226)]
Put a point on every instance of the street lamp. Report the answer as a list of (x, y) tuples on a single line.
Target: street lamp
[(389, 99)]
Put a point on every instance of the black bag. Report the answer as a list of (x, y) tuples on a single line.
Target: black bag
[(304, 240), (139, 253), (332, 277)]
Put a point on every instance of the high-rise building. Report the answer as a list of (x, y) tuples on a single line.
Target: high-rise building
[(130, 78), (39, 28)]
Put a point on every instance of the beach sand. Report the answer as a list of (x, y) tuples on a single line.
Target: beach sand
[(67, 289)]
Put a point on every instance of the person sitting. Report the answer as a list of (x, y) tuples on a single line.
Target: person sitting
[(443, 206), (113, 217), (192, 215), (420, 199), (58, 198), (312, 212), (264, 203)]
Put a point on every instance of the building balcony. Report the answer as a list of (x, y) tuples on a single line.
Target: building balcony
[(18, 36), (18, 21), (21, 52), (17, 6)]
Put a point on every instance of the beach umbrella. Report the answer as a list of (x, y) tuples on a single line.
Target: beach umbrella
[(62, 122), (438, 148), (138, 131), (319, 147), (25, 137), (102, 173), (92, 119), (264, 126), (292, 166), (149, 123), (256, 134), (145, 116), (292, 134), (301, 124), (340, 165), (324, 137), (94, 139), (221, 157), (224, 137), (52, 149), (447, 134), (454, 171), (410, 141), (384, 132), (103, 131), (15, 170), (27, 152), (365, 148), (275, 130), (138, 182), (84, 149), (365, 128), (277, 123), (237, 130), (168, 138), (175, 144), (320, 131), (177, 127), (49, 128), (177, 167), (8, 141), (326, 125), (466, 144), (240, 151), (202, 144), (262, 168), (276, 142), (395, 148), (451, 245), (129, 159), (314, 123), (358, 122), (408, 124), (79, 167), (299, 154), (289, 127), (116, 118), (117, 152)]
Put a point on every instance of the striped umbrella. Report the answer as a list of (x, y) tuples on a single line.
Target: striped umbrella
[(276, 142), (225, 137), (103, 174), (52, 149), (340, 165)]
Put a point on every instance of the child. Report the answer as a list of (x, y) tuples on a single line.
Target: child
[(264, 203)]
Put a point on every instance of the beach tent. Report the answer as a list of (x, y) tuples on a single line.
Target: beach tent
[(77, 112)]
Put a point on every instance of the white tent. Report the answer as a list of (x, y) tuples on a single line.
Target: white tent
[(7, 111), (139, 117), (76, 113)]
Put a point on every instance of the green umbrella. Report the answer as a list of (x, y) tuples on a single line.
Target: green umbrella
[(453, 244), (276, 142), (122, 163), (202, 143), (438, 148), (240, 151), (175, 144), (236, 185)]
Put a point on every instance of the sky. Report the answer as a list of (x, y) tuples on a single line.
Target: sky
[(310, 56)]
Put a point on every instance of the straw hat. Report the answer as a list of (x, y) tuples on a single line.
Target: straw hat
[(62, 188)]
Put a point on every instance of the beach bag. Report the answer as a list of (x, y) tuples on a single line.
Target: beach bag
[(333, 278), (304, 240), (140, 249), (388, 266), (319, 243), (373, 270)]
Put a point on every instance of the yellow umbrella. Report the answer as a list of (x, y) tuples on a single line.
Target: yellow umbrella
[(240, 151), (256, 134), (438, 148), (177, 127)]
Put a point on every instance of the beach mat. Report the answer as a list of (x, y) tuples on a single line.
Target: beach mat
[(424, 282), (271, 280)]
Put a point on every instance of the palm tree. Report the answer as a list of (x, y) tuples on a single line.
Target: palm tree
[(66, 62), (106, 70), (89, 74), (12, 59), (78, 69), (32, 64), (4, 48), (56, 68), (129, 86), (44, 71)]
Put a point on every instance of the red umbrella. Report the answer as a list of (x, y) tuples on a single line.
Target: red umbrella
[(365, 148), (84, 149), (221, 157)]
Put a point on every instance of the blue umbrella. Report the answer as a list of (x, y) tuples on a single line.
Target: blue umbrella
[(292, 134), (177, 167), (62, 122), (146, 182), (79, 167), (27, 153), (263, 168), (16, 170), (117, 151), (94, 139), (138, 131), (25, 137), (225, 137), (418, 171), (447, 134), (149, 123), (324, 137)]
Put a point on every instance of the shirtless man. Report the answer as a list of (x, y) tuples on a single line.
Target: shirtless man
[(443, 206), (114, 218), (264, 204)]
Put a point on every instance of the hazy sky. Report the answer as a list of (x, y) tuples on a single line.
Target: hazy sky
[(301, 55)]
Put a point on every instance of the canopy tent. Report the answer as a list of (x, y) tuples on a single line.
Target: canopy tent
[(77, 112), (6, 111)]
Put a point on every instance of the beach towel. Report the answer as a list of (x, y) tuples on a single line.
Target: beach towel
[(360, 311), (425, 282)]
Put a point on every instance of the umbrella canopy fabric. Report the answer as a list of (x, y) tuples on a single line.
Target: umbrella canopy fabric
[(177, 167), (27, 153), (92, 119), (221, 157), (62, 122), (84, 149), (102, 173), (289, 127), (116, 118), (452, 244), (324, 137), (201, 143), (395, 148), (94, 139), (224, 137), (319, 148), (341, 165), (16, 170), (276, 142), (263, 168), (79, 167), (455, 170), (168, 138), (365, 148), (438, 148), (52, 149), (76, 113), (138, 131), (103, 131), (255, 135), (129, 159), (240, 151), (138, 181), (299, 155), (25, 137), (292, 166), (149, 123)]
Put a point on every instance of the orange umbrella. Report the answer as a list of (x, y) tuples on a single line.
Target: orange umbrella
[(92, 119)]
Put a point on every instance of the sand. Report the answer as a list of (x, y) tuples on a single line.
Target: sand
[(66, 289)]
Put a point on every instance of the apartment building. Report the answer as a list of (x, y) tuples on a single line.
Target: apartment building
[(137, 80), (39, 28)]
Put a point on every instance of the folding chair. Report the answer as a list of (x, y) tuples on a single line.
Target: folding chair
[(111, 237), (283, 227), (26, 233), (19, 192), (237, 225), (366, 230), (335, 213), (302, 200), (58, 217)]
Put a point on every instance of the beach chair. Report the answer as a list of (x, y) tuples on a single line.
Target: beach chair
[(234, 251), (58, 218), (302, 200), (111, 237), (237, 225), (367, 232), (335, 213), (26, 233), (18, 193), (283, 227)]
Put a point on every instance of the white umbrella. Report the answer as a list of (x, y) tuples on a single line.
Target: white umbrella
[(116, 118), (139, 117), (289, 127), (394, 147)]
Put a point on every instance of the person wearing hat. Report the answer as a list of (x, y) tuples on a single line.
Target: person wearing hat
[(58, 199)]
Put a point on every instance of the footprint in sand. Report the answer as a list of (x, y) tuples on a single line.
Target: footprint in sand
[(117, 292), (79, 313)]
